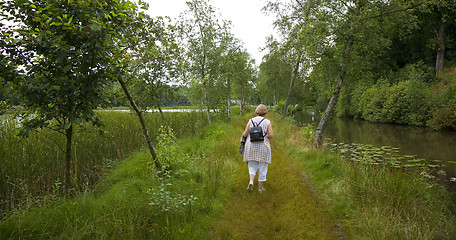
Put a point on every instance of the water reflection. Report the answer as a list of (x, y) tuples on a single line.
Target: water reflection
[(419, 141)]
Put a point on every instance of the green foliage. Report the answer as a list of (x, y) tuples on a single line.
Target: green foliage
[(395, 106), (132, 203), (167, 152), (167, 202), (274, 77), (443, 118), (63, 49), (60, 61), (121, 199), (404, 103), (308, 133), (443, 111), (371, 103), (152, 64), (172, 161), (162, 197), (393, 49), (404, 203), (279, 108), (408, 101), (417, 72), (32, 161), (372, 200), (379, 202), (214, 63), (350, 96), (419, 98)]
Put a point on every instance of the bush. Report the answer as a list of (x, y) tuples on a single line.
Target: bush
[(443, 118), (280, 105), (395, 108), (407, 102), (415, 72), (418, 101), (444, 106), (371, 103)]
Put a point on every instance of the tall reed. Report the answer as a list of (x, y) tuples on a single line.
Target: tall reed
[(32, 168)]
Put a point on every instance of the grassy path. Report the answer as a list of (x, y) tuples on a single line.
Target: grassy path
[(287, 210)]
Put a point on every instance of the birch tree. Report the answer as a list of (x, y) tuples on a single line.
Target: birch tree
[(201, 33), (59, 61)]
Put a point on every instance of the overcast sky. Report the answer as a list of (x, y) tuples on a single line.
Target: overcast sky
[(250, 24)]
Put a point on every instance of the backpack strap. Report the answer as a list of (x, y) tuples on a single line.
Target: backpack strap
[(266, 128), (260, 122), (257, 124), (253, 123)]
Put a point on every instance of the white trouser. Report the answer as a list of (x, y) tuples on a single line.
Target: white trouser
[(261, 167)]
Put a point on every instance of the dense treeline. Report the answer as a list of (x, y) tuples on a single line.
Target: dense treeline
[(395, 59)]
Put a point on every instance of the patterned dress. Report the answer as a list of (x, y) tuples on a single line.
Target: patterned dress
[(258, 151)]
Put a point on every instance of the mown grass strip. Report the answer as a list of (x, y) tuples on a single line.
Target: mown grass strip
[(287, 210)]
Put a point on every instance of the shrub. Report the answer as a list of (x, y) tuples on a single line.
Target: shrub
[(395, 107), (371, 103), (443, 118), (280, 105), (415, 72), (444, 106), (418, 102), (407, 103)]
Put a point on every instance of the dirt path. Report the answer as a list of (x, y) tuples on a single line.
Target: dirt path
[(286, 210)]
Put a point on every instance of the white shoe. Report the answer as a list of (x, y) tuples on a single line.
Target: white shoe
[(250, 188)]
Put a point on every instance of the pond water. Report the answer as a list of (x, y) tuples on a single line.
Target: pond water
[(419, 141)]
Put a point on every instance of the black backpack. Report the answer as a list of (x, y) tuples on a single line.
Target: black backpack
[(256, 132)]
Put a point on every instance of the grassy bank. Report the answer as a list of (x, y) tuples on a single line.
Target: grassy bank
[(375, 202)]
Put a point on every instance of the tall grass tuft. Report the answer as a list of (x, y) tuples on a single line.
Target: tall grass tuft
[(32, 169)]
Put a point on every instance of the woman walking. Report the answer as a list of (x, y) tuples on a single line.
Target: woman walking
[(257, 154)]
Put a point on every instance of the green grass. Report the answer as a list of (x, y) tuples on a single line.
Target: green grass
[(33, 168), (118, 207), (287, 210), (376, 201), (369, 202)]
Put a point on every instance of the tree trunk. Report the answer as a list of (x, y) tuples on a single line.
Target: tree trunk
[(229, 102), (69, 138), (143, 125), (332, 103), (242, 106), (290, 89), (441, 51), (274, 101), (206, 102)]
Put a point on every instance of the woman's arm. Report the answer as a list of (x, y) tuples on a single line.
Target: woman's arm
[(247, 129), (270, 132)]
